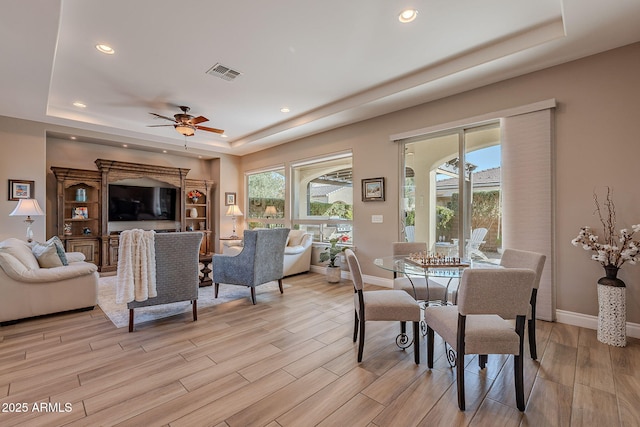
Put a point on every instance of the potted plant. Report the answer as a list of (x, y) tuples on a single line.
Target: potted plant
[(615, 249), (330, 254)]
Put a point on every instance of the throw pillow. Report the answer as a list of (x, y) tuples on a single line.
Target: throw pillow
[(59, 249), (295, 237), (50, 254)]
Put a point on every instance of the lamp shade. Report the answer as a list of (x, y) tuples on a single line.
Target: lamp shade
[(234, 210), (270, 211), (185, 129), (27, 207)]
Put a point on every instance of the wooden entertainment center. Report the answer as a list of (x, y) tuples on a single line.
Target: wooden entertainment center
[(82, 198)]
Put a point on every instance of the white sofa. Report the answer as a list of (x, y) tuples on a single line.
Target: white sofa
[(28, 290), (297, 252)]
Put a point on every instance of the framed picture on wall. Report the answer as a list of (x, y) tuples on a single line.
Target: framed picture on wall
[(373, 190), (19, 189), (229, 199)]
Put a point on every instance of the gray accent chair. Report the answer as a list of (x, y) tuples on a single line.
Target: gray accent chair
[(389, 305), (515, 258), (260, 261), (176, 271), (479, 324)]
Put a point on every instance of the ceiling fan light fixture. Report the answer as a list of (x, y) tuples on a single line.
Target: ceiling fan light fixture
[(185, 129)]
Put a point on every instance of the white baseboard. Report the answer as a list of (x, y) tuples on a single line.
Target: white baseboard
[(591, 322)]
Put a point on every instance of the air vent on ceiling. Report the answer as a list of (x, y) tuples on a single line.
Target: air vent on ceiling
[(224, 72)]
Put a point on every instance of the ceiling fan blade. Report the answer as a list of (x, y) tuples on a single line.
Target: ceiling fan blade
[(157, 126), (199, 119), (162, 117), (210, 129)]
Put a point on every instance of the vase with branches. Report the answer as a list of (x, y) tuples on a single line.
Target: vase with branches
[(614, 249)]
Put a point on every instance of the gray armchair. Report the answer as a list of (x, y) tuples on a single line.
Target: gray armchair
[(259, 262), (176, 271)]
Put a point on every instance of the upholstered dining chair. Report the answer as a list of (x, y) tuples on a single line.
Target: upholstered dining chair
[(514, 258), (418, 287), (389, 305), (260, 261), (479, 324)]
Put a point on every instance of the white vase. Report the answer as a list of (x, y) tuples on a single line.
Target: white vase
[(612, 315), (193, 213), (333, 274)]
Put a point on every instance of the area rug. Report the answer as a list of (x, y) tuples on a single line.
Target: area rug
[(119, 313)]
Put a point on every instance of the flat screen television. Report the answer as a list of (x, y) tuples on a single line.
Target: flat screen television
[(132, 203)]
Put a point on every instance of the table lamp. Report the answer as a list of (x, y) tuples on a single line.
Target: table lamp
[(234, 211), (270, 211), (28, 208)]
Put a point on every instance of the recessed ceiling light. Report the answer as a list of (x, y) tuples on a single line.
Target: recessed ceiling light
[(73, 137), (284, 110), (407, 15), (105, 48), (164, 151), (224, 135), (125, 145), (199, 157), (79, 104)]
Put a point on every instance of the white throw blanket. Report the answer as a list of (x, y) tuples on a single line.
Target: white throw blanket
[(136, 266)]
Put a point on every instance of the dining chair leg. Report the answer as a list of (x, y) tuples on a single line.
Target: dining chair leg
[(416, 342), (518, 365), (531, 326), (355, 326), (403, 327), (430, 346), (460, 361), (361, 343)]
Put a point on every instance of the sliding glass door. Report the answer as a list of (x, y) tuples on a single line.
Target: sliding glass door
[(451, 195)]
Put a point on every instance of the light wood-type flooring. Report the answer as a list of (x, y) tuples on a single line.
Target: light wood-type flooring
[(290, 361)]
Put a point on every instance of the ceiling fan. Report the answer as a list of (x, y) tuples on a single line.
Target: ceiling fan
[(185, 123)]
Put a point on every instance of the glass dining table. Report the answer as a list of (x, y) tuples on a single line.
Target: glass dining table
[(444, 274)]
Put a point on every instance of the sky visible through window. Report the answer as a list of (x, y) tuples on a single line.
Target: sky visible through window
[(485, 158)]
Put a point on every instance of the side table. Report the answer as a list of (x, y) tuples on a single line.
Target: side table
[(205, 259)]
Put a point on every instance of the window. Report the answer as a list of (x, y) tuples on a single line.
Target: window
[(266, 204), (322, 197)]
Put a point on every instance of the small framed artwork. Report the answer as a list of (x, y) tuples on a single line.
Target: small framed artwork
[(229, 199), (373, 190), (80, 213), (19, 189)]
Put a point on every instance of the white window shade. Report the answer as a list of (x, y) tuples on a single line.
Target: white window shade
[(527, 185)]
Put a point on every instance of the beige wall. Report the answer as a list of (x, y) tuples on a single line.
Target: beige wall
[(22, 156), (596, 145)]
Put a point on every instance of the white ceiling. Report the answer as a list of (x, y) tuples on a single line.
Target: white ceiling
[(332, 62)]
